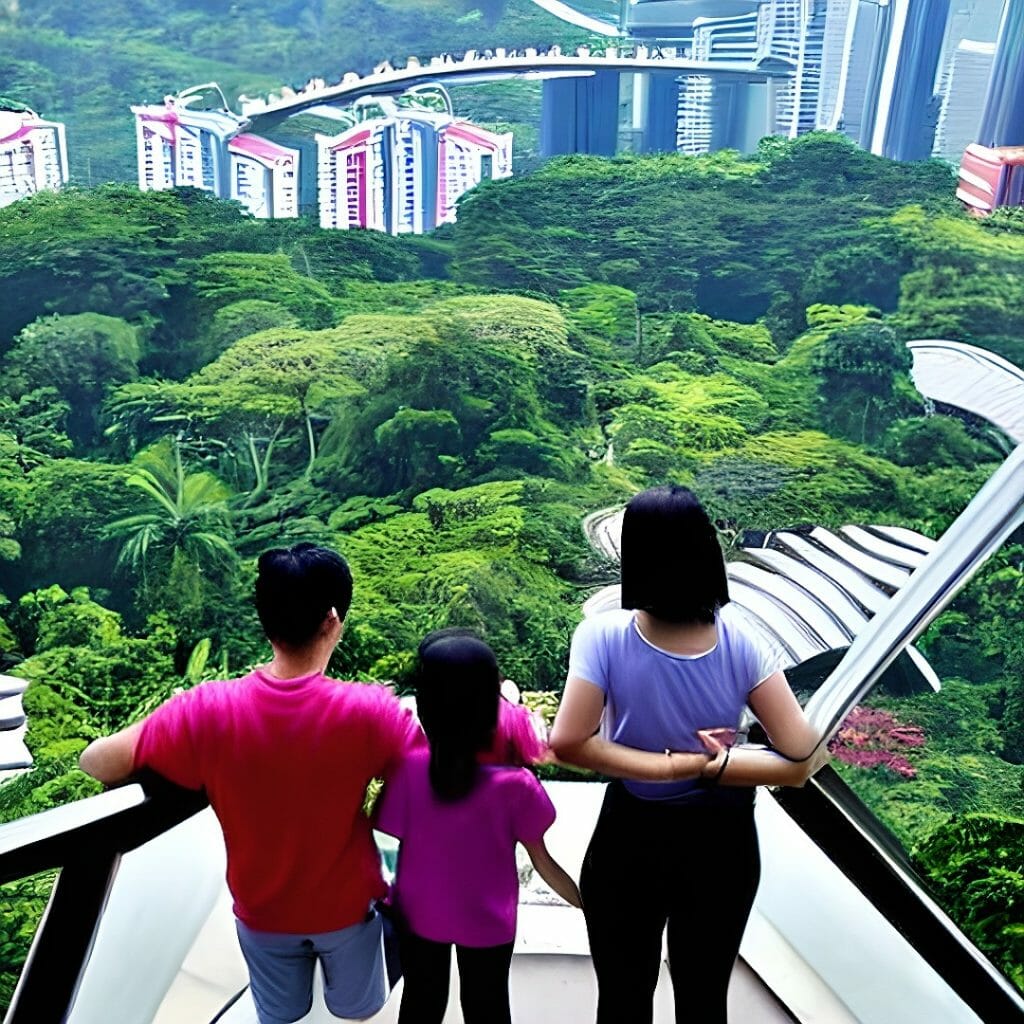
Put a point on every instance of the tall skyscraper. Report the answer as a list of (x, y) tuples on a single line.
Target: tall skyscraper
[(787, 32), (1003, 120), (702, 116), (33, 154), (793, 31), (963, 88), (856, 103), (404, 173), (970, 19), (836, 51), (905, 111)]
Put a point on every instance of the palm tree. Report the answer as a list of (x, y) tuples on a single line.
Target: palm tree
[(188, 516)]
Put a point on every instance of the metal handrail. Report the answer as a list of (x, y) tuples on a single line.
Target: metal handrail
[(874, 861), (994, 513), (86, 841)]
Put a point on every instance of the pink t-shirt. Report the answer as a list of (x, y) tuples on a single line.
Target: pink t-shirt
[(285, 764), (520, 737), (457, 879)]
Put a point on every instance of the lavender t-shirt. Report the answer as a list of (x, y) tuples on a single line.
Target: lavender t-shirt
[(457, 878), (657, 700)]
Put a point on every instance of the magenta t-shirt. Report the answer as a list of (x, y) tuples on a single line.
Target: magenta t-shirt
[(286, 764), (457, 879)]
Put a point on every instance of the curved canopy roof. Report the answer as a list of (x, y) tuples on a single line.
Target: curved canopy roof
[(972, 379)]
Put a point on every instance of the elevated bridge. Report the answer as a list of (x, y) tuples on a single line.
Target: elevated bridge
[(583, 92)]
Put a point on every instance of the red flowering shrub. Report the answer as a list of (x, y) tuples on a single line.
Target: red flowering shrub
[(872, 738)]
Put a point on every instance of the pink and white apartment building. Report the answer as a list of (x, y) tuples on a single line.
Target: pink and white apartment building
[(178, 147), (404, 174), (33, 155)]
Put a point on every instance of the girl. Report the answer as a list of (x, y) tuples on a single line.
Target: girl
[(675, 658), (458, 821)]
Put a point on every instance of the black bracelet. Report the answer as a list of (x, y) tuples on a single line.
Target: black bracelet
[(721, 771)]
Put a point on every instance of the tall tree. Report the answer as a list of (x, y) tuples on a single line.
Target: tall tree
[(188, 518)]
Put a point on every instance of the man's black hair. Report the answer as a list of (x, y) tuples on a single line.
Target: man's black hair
[(672, 563), (296, 588)]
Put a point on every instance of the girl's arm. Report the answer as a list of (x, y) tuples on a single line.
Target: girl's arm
[(799, 750), (574, 741), (553, 873)]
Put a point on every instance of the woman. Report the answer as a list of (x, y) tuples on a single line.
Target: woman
[(675, 841)]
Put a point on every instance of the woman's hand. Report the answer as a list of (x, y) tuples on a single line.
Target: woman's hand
[(756, 766), (574, 741), (718, 752)]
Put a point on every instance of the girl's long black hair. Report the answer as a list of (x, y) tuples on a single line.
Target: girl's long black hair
[(457, 685)]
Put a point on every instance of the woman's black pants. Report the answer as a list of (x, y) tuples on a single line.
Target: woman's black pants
[(483, 981), (692, 867)]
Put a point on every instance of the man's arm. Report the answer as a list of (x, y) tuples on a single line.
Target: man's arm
[(111, 759)]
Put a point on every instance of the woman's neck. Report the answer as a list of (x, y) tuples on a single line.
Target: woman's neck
[(677, 637)]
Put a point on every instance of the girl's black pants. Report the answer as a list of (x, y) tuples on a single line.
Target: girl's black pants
[(483, 981)]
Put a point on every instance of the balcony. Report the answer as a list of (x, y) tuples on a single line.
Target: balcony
[(844, 928)]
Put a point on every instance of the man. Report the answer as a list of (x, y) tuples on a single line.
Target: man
[(285, 755)]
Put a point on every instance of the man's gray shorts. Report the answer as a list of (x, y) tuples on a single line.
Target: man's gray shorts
[(281, 971)]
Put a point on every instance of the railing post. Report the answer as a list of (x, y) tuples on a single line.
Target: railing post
[(63, 940)]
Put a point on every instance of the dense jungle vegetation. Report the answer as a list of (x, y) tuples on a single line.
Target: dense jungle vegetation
[(182, 387)]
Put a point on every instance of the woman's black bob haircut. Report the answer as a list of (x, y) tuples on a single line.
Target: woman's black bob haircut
[(457, 685), (672, 564), (296, 587)]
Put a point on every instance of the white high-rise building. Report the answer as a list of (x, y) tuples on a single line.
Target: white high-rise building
[(468, 155), (178, 147), (351, 170), (963, 88), (793, 31), (836, 50), (720, 39), (404, 173), (264, 176), (790, 32), (208, 149), (33, 155)]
